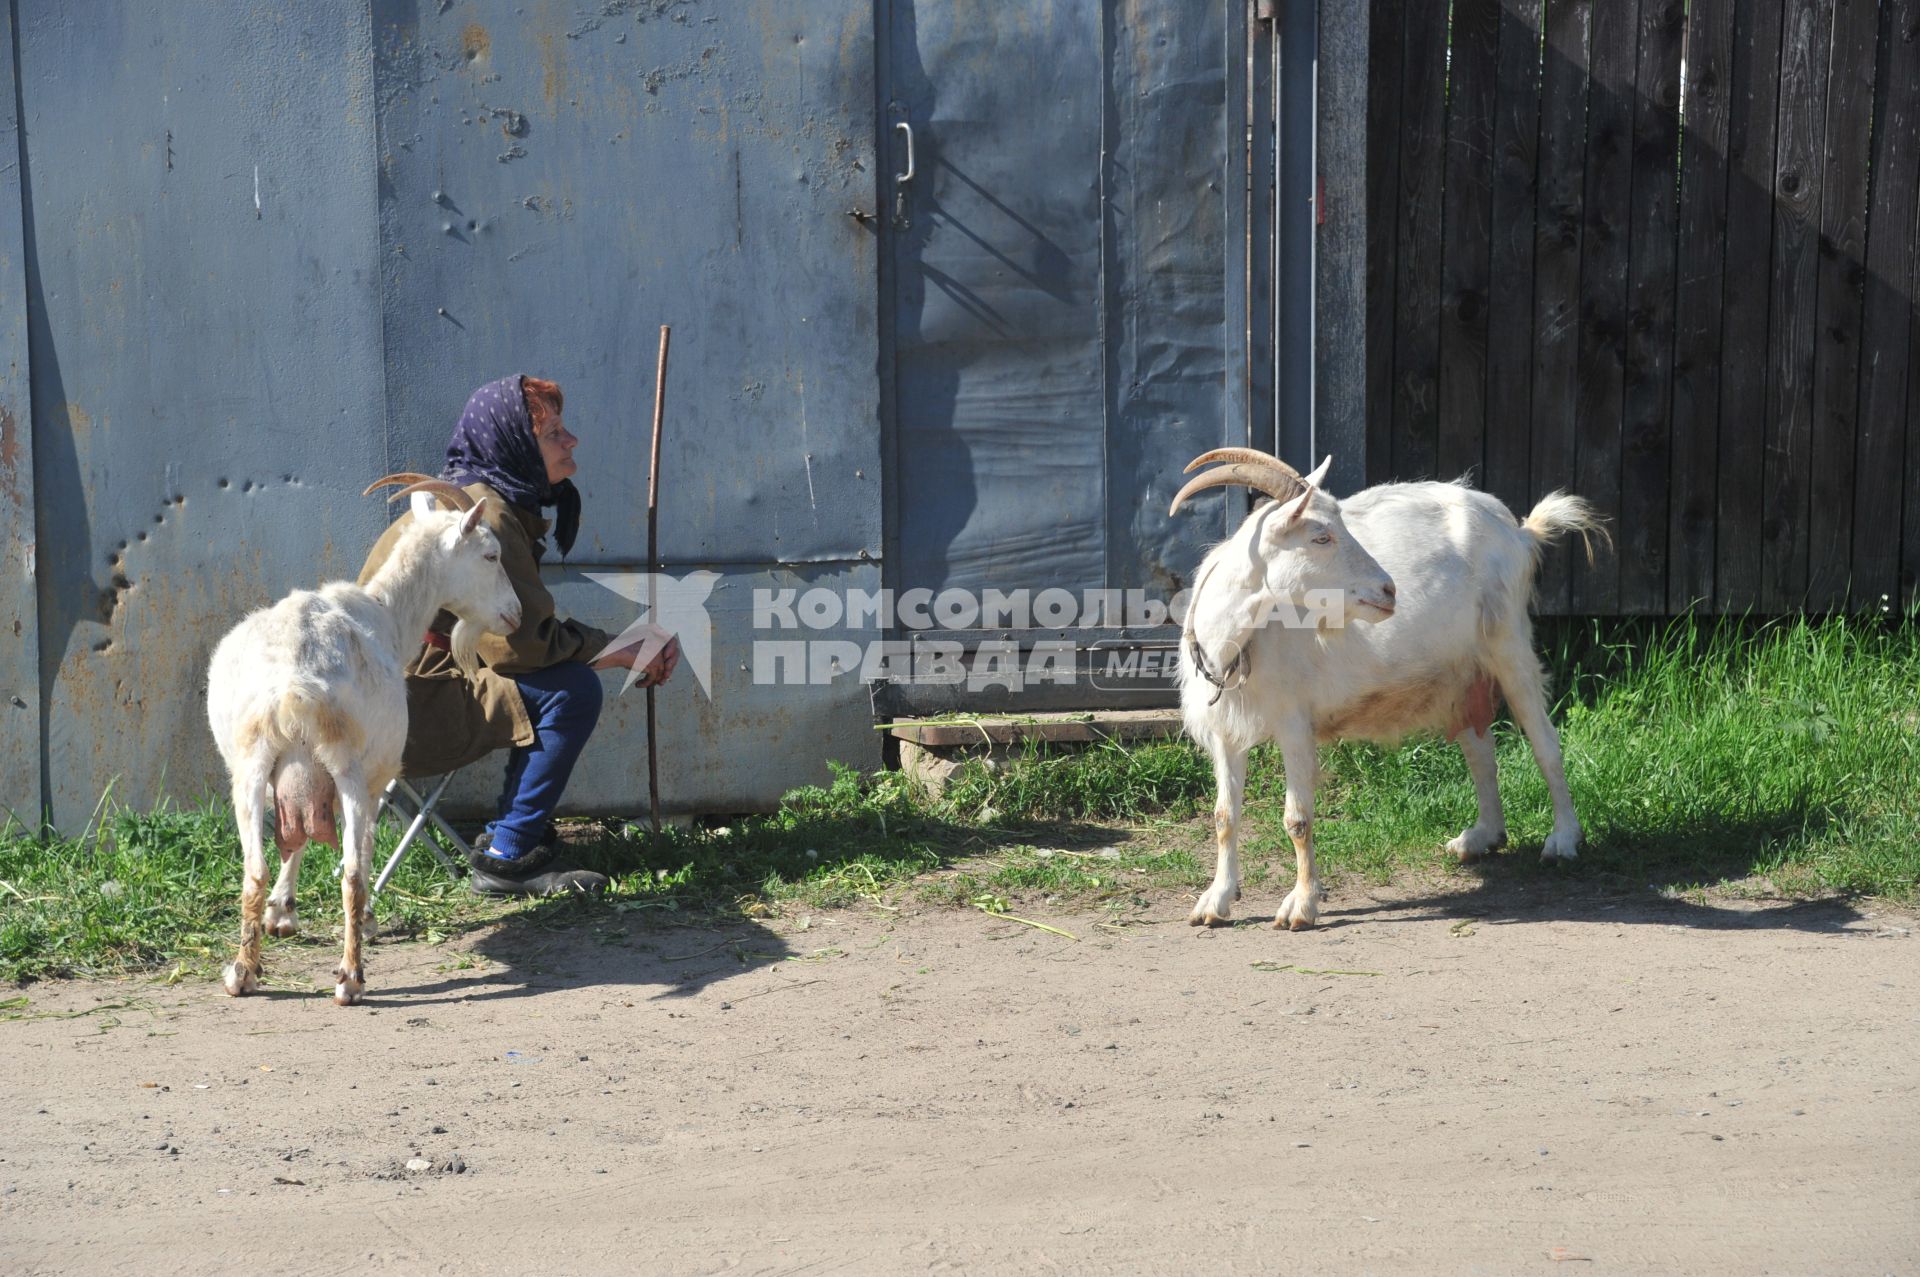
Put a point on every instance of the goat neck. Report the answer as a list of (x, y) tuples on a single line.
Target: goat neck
[(408, 584)]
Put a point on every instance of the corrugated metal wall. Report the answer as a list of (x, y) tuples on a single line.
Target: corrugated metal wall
[(269, 248), (206, 355)]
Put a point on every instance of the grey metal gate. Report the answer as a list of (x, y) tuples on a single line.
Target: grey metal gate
[(1066, 301)]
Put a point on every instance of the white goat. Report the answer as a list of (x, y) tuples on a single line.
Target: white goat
[(1441, 577), (309, 696)]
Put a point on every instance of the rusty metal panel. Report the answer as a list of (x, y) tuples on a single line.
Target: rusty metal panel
[(19, 629), (556, 181), (205, 337), (737, 749)]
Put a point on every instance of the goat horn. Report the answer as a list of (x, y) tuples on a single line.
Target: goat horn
[(398, 476), (1280, 484), (451, 495), (1252, 456), (454, 496)]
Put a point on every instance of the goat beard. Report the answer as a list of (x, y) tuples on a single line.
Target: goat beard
[(465, 643)]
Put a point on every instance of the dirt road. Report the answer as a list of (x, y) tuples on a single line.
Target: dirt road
[(1596, 1085)]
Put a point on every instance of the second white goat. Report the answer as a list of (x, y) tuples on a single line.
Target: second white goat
[(1400, 609), (309, 696)]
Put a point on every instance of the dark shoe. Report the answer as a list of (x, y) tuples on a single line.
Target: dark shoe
[(550, 882), (537, 873)]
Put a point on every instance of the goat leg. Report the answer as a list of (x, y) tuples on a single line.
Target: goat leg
[(1526, 696), (1489, 831), (1215, 905), (356, 861), (242, 975), (1301, 908)]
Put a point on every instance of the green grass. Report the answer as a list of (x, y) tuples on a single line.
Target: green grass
[(1701, 755)]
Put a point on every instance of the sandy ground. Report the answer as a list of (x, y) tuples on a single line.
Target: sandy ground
[(1563, 1085)]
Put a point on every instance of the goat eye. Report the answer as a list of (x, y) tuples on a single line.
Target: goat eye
[(1325, 538), (491, 558)]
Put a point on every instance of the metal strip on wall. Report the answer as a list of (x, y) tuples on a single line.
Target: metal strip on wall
[(1296, 55), (21, 795)]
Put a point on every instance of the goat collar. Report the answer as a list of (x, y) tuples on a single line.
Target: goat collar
[(1238, 666)]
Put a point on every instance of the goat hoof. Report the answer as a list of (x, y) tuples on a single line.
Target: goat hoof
[(1300, 910), (282, 922), (1214, 907), (351, 985), (1472, 845), (240, 979), (1560, 847)]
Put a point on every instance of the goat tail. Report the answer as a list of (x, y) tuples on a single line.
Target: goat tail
[(1562, 512), (301, 717)]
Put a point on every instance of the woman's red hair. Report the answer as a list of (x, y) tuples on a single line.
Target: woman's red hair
[(544, 401)]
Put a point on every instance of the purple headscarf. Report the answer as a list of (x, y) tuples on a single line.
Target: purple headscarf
[(494, 445)]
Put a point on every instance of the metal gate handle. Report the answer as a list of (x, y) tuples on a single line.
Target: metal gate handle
[(907, 176)]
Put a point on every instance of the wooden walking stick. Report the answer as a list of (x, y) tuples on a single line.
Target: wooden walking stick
[(653, 564)]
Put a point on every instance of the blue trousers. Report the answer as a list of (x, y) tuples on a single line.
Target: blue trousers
[(563, 701)]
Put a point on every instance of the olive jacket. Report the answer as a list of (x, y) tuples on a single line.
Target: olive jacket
[(453, 720)]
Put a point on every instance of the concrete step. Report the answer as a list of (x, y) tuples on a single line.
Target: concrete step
[(932, 749)]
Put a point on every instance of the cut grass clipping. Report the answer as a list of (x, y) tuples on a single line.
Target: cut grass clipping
[(1781, 758)]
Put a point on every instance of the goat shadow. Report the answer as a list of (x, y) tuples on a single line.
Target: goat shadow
[(1648, 878), (639, 951)]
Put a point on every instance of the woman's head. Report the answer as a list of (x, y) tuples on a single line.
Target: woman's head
[(544, 404), (511, 438)]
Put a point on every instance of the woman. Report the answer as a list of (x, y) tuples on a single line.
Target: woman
[(536, 693)]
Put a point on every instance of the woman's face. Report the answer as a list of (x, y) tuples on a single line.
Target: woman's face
[(556, 446)]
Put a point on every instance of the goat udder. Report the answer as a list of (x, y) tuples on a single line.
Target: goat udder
[(303, 798), (1475, 712)]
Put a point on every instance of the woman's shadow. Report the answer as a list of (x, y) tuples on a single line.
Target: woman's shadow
[(643, 949)]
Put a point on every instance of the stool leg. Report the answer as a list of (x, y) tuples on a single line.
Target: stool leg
[(431, 808), (413, 831)]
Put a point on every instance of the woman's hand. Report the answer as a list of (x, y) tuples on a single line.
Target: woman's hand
[(657, 670)]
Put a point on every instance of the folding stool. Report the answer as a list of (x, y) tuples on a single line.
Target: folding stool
[(425, 811)]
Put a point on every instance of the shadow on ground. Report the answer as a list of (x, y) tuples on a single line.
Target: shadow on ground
[(1653, 877), (642, 952)]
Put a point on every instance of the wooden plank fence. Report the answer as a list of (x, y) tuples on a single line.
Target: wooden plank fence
[(1662, 253)]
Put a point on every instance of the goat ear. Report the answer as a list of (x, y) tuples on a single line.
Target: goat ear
[(472, 519), (422, 504), (1293, 509)]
